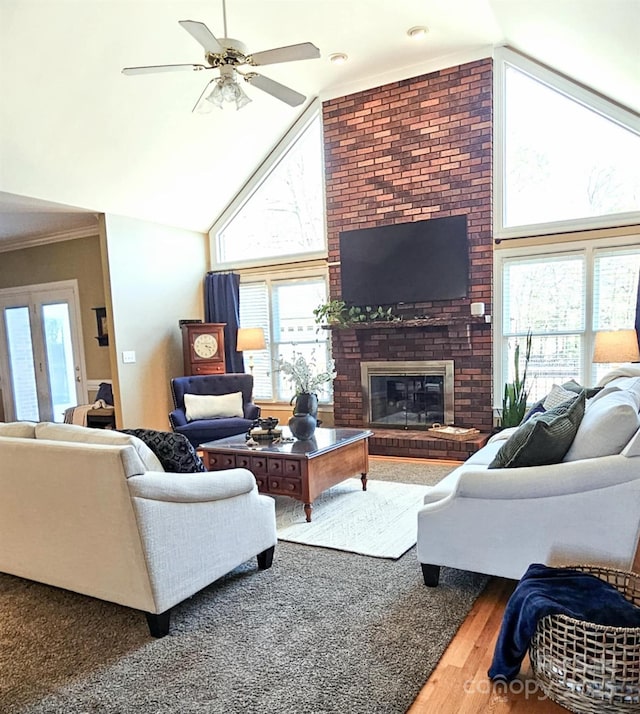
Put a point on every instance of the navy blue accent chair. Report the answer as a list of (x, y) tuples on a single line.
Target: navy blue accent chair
[(203, 430)]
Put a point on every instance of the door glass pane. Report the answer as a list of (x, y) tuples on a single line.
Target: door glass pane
[(57, 340), (23, 373)]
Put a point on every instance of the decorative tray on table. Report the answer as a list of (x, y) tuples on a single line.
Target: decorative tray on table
[(455, 433)]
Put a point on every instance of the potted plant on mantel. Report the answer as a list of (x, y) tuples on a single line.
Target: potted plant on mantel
[(305, 379), (336, 313)]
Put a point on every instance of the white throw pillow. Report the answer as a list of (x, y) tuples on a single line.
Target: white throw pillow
[(213, 406), (21, 429), (607, 426), (557, 396), (84, 435)]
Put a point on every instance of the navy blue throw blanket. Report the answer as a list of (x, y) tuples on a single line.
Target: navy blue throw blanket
[(546, 591)]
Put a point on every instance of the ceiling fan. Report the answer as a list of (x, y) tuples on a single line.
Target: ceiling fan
[(227, 55)]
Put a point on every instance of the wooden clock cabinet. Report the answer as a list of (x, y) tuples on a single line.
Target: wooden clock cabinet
[(203, 348)]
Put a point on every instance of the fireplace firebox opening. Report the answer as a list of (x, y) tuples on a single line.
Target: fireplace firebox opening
[(408, 394)]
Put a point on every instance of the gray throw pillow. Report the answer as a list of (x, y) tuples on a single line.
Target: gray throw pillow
[(543, 439), (573, 386)]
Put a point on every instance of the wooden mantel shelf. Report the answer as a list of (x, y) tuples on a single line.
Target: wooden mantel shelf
[(441, 321)]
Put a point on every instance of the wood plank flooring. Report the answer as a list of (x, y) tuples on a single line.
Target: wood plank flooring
[(459, 684)]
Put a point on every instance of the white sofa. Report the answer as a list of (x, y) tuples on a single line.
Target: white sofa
[(94, 512), (584, 509)]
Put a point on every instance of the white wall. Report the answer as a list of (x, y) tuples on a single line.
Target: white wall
[(154, 276)]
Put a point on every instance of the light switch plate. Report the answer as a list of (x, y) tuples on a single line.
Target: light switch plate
[(129, 356)]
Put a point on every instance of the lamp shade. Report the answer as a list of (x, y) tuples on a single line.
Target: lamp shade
[(250, 338), (616, 346)]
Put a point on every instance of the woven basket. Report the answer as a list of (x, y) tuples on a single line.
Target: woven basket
[(587, 668)]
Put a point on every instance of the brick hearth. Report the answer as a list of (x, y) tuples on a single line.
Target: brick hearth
[(399, 442), (413, 150)]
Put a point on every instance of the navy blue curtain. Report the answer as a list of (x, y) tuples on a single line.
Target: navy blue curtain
[(222, 304), (638, 312)]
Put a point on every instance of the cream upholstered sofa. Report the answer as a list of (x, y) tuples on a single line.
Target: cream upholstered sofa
[(584, 509), (94, 512)]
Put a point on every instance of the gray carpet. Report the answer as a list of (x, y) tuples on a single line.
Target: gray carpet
[(321, 631)]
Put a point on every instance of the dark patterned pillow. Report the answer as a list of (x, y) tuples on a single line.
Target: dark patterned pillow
[(174, 451), (543, 439)]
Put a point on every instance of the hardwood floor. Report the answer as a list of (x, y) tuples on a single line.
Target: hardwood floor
[(459, 684)]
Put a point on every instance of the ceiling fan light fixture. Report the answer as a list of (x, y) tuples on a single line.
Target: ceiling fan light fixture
[(226, 91), (419, 32)]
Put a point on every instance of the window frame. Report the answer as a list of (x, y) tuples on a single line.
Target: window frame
[(289, 274), (505, 58), (261, 175), (588, 247)]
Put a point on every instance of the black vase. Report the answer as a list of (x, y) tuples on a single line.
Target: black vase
[(302, 426), (305, 403)]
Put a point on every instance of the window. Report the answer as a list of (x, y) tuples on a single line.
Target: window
[(283, 214), (565, 158), (283, 307), (563, 294)]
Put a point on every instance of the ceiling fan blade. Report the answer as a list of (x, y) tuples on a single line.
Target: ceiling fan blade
[(163, 68), (275, 89), (291, 53), (202, 34)]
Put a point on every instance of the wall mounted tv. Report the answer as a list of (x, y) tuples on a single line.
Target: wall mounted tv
[(420, 261)]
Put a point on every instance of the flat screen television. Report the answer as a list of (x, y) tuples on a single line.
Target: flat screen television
[(420, 261)]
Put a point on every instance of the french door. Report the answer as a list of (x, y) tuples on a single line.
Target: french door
[(42, 369)]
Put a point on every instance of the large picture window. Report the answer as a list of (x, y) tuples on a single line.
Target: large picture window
[(281, 216), (566, 159), (563, 295), (283, 307)]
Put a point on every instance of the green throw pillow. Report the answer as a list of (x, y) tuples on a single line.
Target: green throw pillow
[(543, 439), (573, 386)]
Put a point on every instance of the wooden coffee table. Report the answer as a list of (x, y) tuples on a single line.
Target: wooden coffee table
[(300, 469)]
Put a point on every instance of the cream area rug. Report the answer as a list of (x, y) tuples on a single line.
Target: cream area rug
[(380, 522)]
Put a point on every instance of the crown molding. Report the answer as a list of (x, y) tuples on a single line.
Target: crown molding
[(10, 244)]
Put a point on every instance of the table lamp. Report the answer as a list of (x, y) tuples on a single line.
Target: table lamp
[(250, 339), (616, 346)]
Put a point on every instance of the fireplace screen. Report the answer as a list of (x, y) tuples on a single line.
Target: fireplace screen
[(407, 401), (408, 395)]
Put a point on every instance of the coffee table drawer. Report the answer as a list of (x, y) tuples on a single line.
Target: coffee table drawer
[(243, 462), (283, 467), (261, 482), (215, 462), (284, 486), (290, 467), (258, 465)]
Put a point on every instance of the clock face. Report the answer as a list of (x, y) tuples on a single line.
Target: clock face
[(205, 346)]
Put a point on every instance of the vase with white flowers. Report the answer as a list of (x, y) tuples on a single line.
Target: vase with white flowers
[(306, 378)]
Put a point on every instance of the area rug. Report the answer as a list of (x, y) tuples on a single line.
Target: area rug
[(321, 632), (380, 522)]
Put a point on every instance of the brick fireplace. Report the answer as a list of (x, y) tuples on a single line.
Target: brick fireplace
[(412, 150)]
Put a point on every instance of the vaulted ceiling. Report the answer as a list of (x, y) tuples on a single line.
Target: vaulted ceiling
[(77, 137)]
